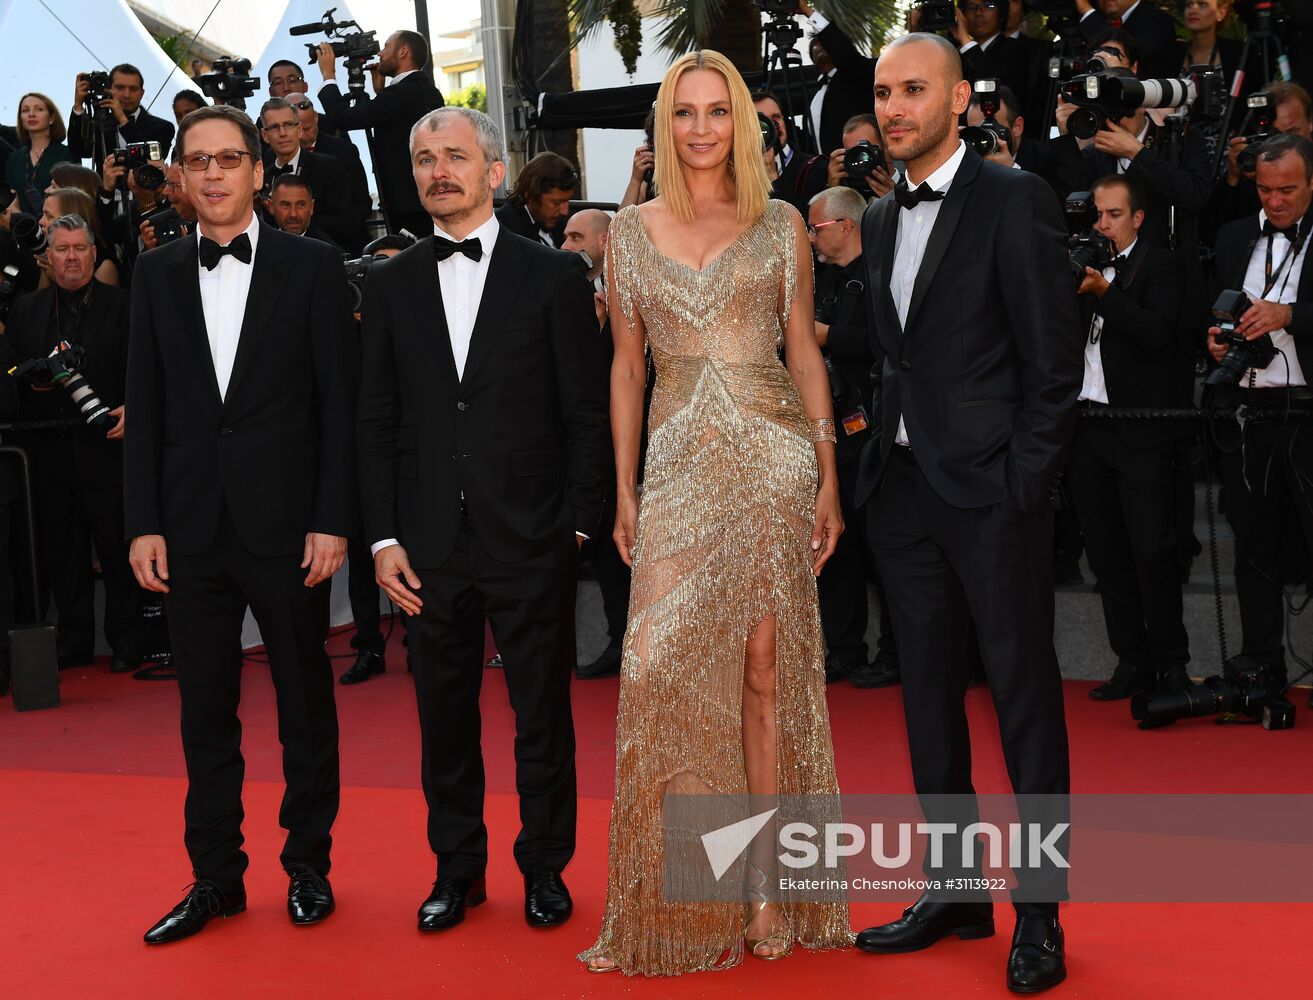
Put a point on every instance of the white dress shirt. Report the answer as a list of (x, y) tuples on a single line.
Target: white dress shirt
[(223, 303), (1095, 387), (914, 226), (294, 162), (1285, 288), (984, 46), (401, 76), (1124, 163)]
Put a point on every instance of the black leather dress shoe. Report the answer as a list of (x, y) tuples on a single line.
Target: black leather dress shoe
[(606, 665), (1038, 958), (927, 921), (1128, 679), (309, 896), (202, 903), (367, 665), (547, 901), (123, 663), (446, 904), (875, 674)]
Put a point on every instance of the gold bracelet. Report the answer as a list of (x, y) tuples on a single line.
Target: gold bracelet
[(823, 430)]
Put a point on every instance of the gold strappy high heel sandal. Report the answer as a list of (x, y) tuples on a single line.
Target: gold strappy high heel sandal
[(599, 969), (782, 940)]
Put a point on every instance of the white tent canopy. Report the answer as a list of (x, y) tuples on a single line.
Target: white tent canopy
[(51, 41)]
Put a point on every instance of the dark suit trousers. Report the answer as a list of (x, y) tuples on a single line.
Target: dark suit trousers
[(362, 589), (1125, 498), (841, 587), (530, 604), (942, 565), (1269, 502), (208, 597)]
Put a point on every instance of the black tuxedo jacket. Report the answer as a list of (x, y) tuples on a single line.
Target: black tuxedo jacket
[(1035, 104), (335, 210), (1006, 60), (103, 334), (277, 453), (391, 115), (849, 348), (987, 371), (515, 217), (1144, 365), (523, 435), (348, 157), (849, 91), (1154, 33), (143, 128), (1235, 241)]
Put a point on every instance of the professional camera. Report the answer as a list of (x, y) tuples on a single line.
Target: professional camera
[(986, 137), (356, 47), (136, 156), (860, 161), (1086, 247), (168, 226), (777, 8), (229, 82), (1259, 126), (357, 273), (27, 233), (1242, 354), (1109, 95), (1247, 688), (98, 90), (937, 15), (770, 136), (60, 367), (1066, 67)]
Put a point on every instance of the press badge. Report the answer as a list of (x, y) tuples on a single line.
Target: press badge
[(855, 421)]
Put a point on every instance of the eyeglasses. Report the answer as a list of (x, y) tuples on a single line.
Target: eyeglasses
[(813, 230), (228, 159), (281, 127), (296, 78), (977, 8)]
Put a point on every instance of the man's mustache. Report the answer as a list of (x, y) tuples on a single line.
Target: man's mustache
[(445, 189)]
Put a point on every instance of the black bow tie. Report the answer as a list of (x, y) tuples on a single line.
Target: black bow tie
[(911, 197), (286, 168), (1289, 233), (444, 248), (211, 253), (1119, 262)]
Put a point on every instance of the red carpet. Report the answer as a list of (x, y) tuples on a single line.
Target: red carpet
[(91, 833)]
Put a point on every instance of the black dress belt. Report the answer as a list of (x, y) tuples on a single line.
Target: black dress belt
[(1276, 396)]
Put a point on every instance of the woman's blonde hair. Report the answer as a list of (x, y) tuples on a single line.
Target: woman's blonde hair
[(751, 183)]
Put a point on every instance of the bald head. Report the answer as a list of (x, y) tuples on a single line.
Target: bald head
[(947, 58), (585, 233), (593, 220), (919, 93)]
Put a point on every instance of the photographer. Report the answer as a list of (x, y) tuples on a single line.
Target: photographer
[(1151, 27), (795, 176), (1120, 473), (539, 201), (177, 199), (834, 227), (292, 209), (1266, 470), (1290, 112), (878, 183), (847, 79), (285, 77), (74, 201), (119, 216), (988, 52), (335, 212), (395, 107), (315, 139), (77, 473), (1023, 152), (131, 122)]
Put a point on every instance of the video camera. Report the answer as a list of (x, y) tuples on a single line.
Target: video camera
[(1242, 354), (777, 8), (1115, 94), (1247, 688), (986, 137), (1086, 247), (229, 82), (1259, 126), (60, 367), (356, 47), (937, 15), (136, 156)]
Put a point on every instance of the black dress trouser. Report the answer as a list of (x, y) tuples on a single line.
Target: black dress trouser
[(363, 591), (530, 605), (207, 601), (941, 566)]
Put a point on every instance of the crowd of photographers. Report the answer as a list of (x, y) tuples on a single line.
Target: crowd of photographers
[(1185, 168)]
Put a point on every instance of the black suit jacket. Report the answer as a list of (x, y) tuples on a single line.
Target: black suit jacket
[(143, 128), (1235, 242), (348, 157), (277, 453), (391, 115), (1144, 365), (1154, 32), (848, 345), (1006, 60), (850, 90), (103, 334), (515, 217), (522, 435), (1036, 105), (985, 377), (335, 210)]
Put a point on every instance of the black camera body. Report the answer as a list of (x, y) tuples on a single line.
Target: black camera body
[(98, 88), (168, 226), (990, 134), (136, 156), (355, 47), (860, 161), (1259, 126), (1086, 247), (1247, 688), (777, 8), (27, 233), (937, 15), (1103, 95), (60, 368), (770, 135), (1241, 354), (229, 82)]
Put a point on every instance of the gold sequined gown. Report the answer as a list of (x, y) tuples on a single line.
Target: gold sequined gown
[(723, 542)]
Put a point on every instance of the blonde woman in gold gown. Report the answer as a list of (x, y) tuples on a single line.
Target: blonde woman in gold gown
[(723, 684)]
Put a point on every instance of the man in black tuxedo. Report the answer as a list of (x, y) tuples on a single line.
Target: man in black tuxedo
[(1121, 472), (77, 472), (796, 176), (240, 493), (335, 211), (317, 140), (133, 123), (482, 439), (292, 209), (979, 392), (1266, 257), (1151, 27), (538, 203), (396, 106), (1038, 109), (845, 84), (1025, 152)]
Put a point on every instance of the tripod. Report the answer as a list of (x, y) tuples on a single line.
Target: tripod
[(1271, 54), (781, 65)]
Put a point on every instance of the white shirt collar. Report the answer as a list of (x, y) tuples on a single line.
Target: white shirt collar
[(990, 40), (942, 178), (1127, 251), (1130, 10), (486, 234), (293, 162), (401, 76), (252, 232)]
